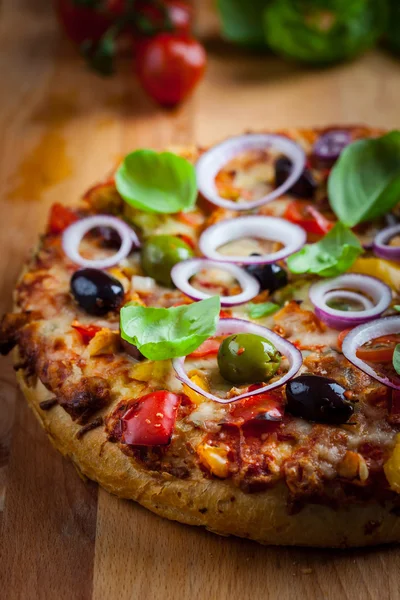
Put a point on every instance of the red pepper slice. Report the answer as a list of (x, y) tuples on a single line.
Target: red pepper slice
[(206, 349), (87, 332), (151, 421), (60, 218), (264, 407), (308, 217)]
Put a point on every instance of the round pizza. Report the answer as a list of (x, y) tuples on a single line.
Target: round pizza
[(215, 334)]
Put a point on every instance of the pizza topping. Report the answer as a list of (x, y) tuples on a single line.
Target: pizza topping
[(248, 358), (356, 343), (271, 277), (74, 234), (332, 255), (330, 145), (262, 309), (238, 326), (160, 253), (392, 467), (291, 236), (157, 182), (60, 218), (304, 187), (264, 407), (308, 217), (96, 291), (215, 159), (162, 333), (319, 399), (184, 271), (151, 420), (350, 299), (365, 182), (387, 243)]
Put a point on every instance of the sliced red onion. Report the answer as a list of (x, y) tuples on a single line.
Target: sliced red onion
[(273, 229), (381, 243), (329, 146), (352, 286), (229, 326), (211, 162), (183, 271), (359, 336), (74, 234)]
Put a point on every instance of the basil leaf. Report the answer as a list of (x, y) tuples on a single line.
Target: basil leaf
[(397, 307), (157, 182), (161, 333), (331, 256), (365, 182), (242, 21), (263, 309), (396, 359)]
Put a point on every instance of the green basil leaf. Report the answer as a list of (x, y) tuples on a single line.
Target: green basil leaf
[(157, 182), (161, 333), (323, 31), (365, 182), (396, 359), (332, 255), (242, 21), (397, 307), (263, 309)]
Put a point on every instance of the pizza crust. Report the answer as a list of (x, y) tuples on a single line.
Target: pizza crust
[(217, 505)]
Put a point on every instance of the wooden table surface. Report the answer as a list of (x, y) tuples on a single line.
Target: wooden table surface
[(61, 129)]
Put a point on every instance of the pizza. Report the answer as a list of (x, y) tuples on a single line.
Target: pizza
[(214, 333)]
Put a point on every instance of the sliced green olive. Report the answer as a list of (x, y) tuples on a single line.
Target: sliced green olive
[(248, 358), (160, 253)]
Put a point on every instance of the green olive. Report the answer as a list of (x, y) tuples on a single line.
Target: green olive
[(160, 253), (247, 358)]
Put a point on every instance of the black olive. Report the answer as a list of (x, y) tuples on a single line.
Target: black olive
[(304, 187), (109, 236), (271, 277), (96, 291), (319, 399)]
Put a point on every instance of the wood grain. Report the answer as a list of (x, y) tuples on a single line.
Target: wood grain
[(62, 128)]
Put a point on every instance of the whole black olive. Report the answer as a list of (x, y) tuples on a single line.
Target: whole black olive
[(96, 291), (271, 277), (319, 399), (304, 187)]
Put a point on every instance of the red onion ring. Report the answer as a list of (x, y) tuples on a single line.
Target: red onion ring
[(212, 161), (74, 234), (381, 247), (362, 334), (229, 326), (269, 228), (345, 286), (183, 271)]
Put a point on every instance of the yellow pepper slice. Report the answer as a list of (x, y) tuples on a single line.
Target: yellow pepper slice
[(215, 459), (195, 397), (392, 467), (386, 270)]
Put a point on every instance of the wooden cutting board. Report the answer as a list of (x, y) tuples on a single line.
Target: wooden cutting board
[(61, 129)]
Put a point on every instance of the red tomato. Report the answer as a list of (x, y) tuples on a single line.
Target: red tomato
[(151, 421), (169, 66), (206, 349), (87, 332), (225, 314), (308, 217), (60, 218), (180, 14), (266, 407), (81, 23)]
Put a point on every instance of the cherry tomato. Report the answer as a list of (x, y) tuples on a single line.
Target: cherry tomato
[(381, 351), (169, 66), (265, 407), (60, 218), (180, 15), (207, 348), (87, 332), (151, 421), (308, 217), (81, 23)]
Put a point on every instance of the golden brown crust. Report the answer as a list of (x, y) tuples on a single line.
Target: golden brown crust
[(217, 505)]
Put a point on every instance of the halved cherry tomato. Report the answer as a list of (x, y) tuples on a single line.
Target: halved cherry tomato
[(224, 314), (308, 217), (383, 353), (60, 218), (169, 66), (151, 421), (82, 23), (87, 332), (207, 348), (263, 407)]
